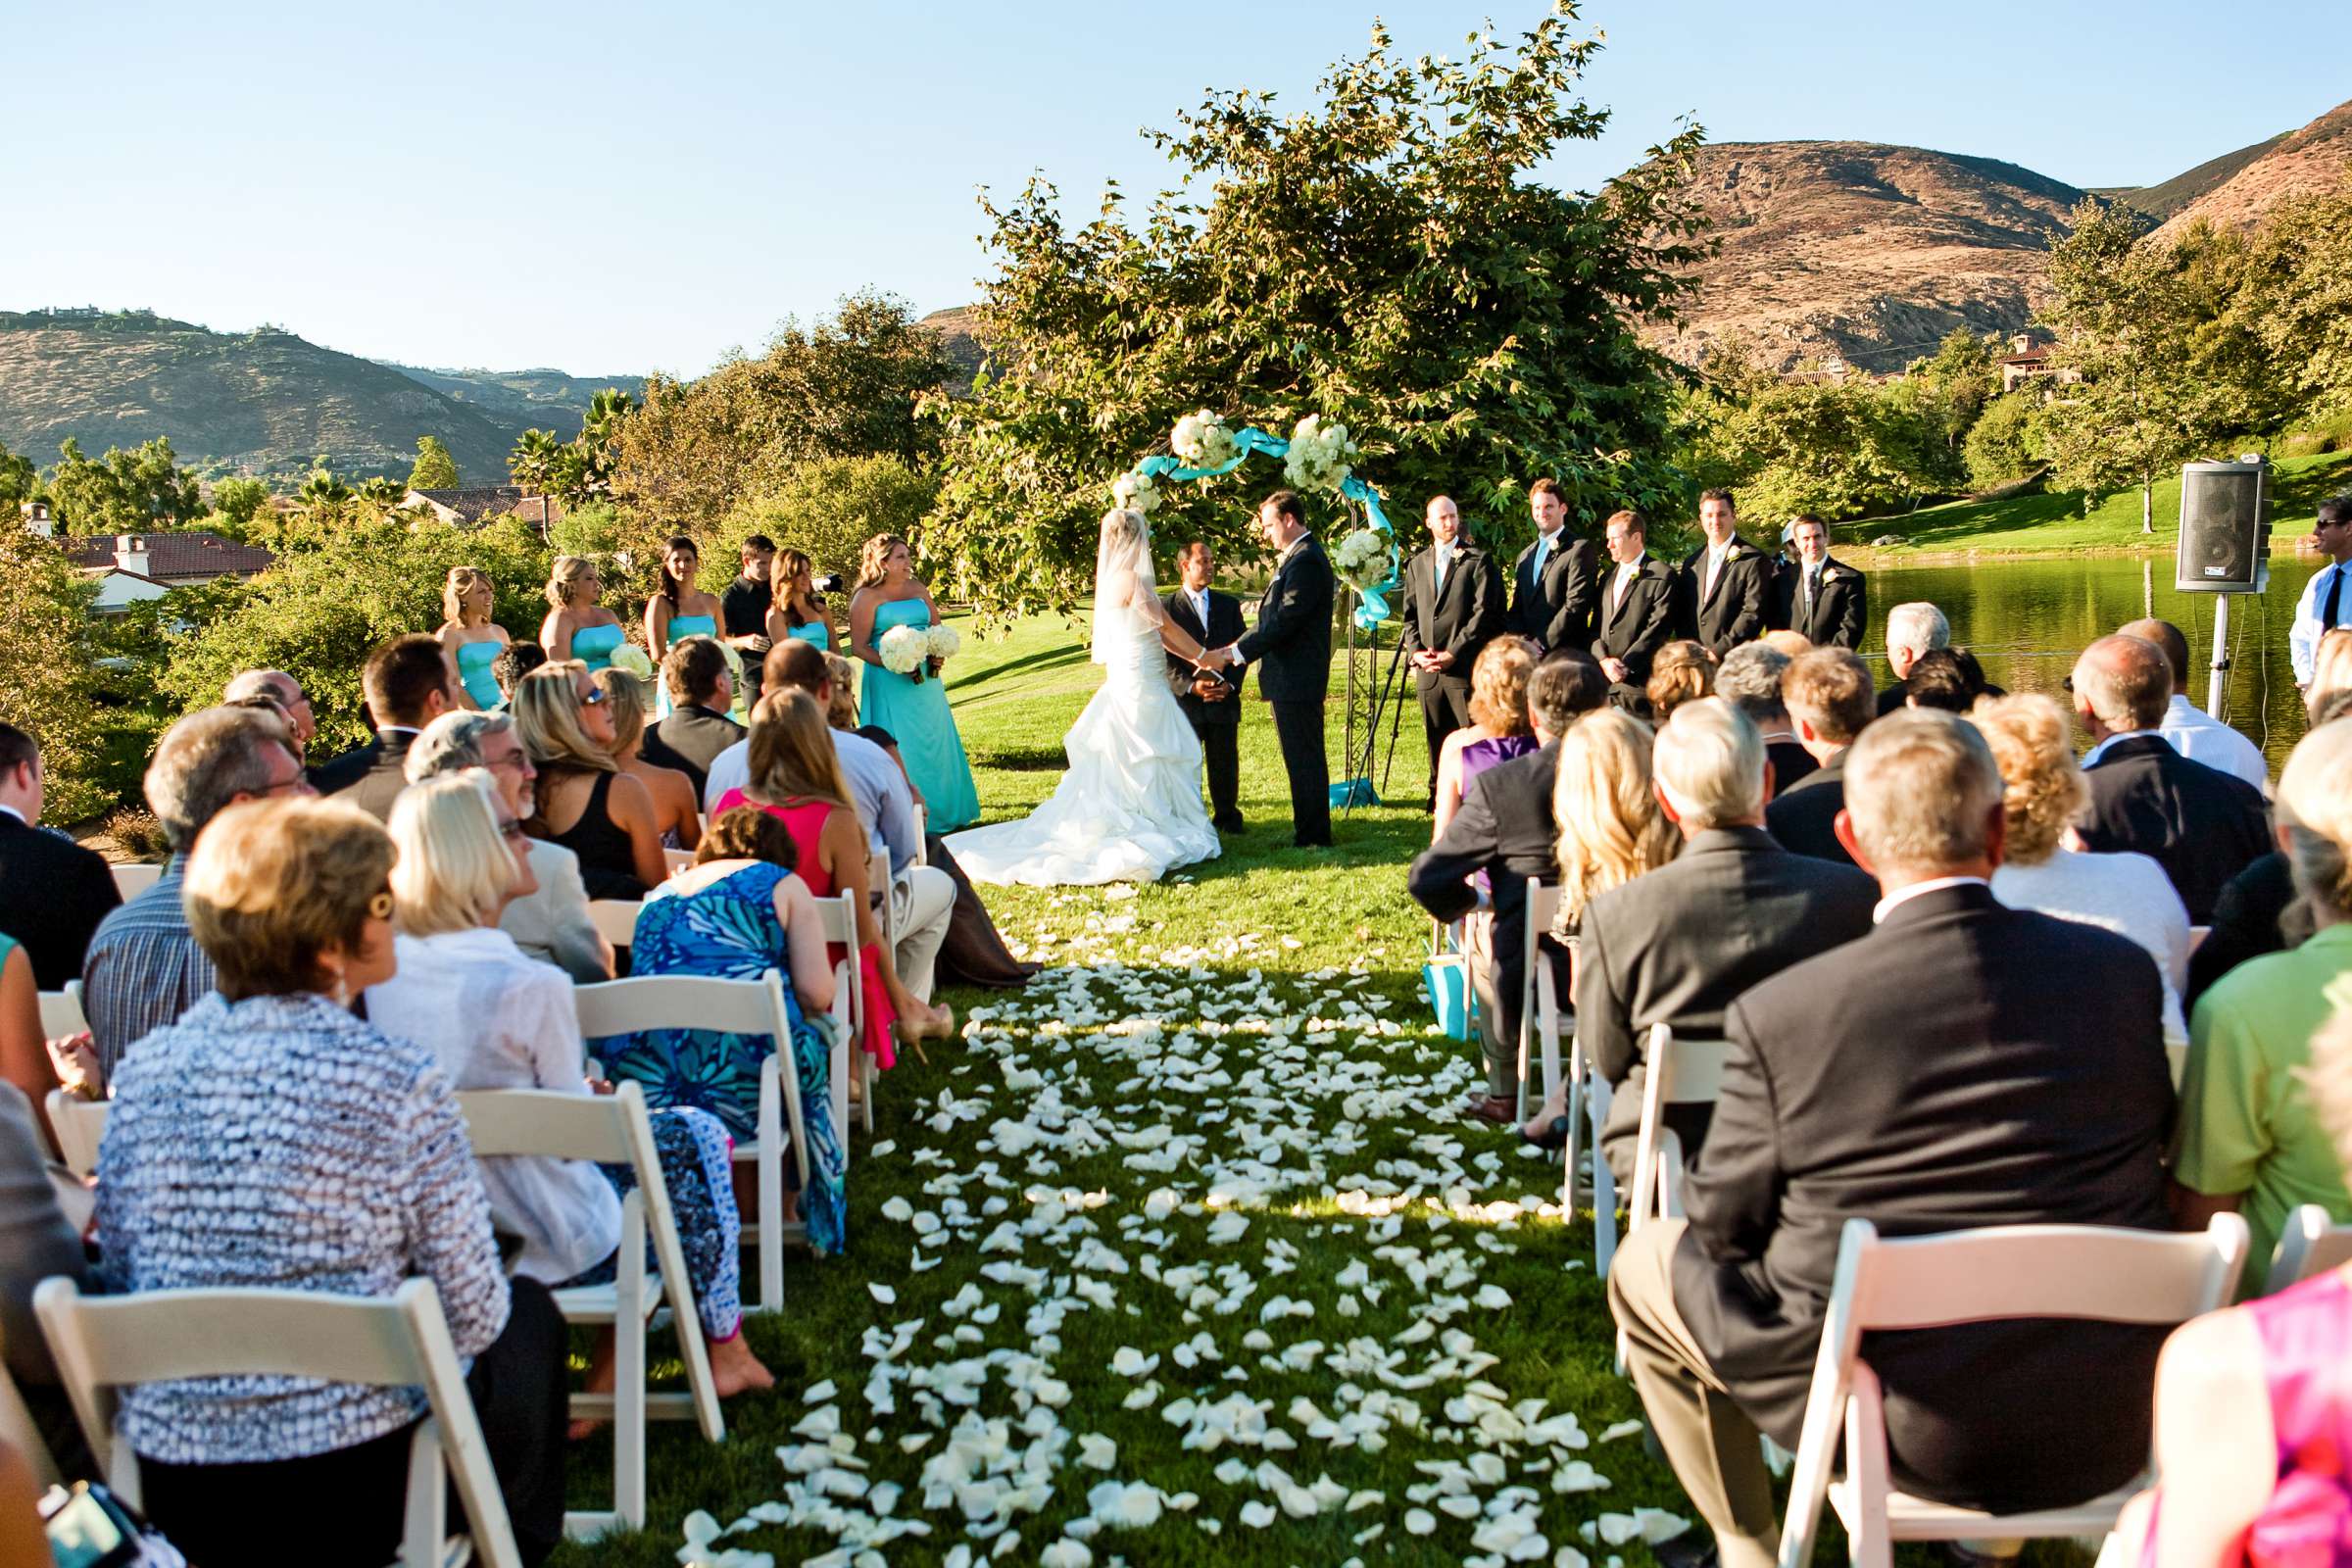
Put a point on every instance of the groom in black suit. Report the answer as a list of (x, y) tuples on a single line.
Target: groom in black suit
[(1211, 701), (1292, 646)]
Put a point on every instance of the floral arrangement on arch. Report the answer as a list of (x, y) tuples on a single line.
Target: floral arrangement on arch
[(1363, 558), (1318, 455)]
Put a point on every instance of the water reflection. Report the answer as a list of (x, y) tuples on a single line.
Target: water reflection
[(2026, 620)]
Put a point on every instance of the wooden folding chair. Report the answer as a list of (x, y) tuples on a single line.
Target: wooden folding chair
[(104, 1343), (613, 1129), (2311, 1244), (732, 1007), (1929, 1282), (80, 1126)]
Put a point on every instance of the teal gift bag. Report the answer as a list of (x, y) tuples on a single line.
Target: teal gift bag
[(1445, 979)]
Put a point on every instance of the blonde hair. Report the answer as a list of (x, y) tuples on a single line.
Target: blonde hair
[(2043, 789), (1679, 673), (455, 870), (2331, 667), (842, 711), (1498, 685), (2327, 1075), (1791, 643), (791, 753), (273, 884), (1611, 829), (567, 570), (624, 694), (873, 562), (547, 720), (462, 581), (2315, 806)]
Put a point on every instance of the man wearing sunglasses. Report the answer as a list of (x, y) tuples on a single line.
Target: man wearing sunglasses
[(2326, 604)]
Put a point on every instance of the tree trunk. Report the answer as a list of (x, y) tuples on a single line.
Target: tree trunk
[(2147, 504)]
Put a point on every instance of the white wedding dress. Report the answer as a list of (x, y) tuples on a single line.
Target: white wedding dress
[(1129, 807)]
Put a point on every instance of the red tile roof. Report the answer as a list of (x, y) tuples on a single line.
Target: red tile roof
[(173, 556)]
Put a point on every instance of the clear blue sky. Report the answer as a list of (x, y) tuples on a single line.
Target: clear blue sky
[(615, 188)]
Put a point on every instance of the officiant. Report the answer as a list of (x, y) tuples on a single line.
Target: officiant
[(1453, 607), (1213, 702)]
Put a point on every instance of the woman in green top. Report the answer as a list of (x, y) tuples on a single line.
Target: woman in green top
[(2250, 1140)]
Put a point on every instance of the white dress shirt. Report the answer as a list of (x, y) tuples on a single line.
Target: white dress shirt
[(1200, 602), (1935, 884), (2303, 636), (1626, 573), (1715, 555), (2202, 738)]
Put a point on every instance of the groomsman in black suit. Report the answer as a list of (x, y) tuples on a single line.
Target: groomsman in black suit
[(53, 892), (1725, 589), (1824, 601), (1452, 608), (1292, 646), (1555, 582), (1637, 611), (1213, 702)]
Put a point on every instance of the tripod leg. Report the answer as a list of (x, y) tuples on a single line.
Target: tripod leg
[(1372, 731)]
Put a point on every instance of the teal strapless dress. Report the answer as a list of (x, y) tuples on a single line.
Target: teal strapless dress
[(915, 713), (595, 645), (473, 668), (812, 632), (681, 627)]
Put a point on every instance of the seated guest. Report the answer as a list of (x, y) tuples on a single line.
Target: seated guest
[(1791, 643), (1503, 829), (1912, 629), (270, 1138), (2042, 792), (677, 808), (583, 801), (1830, 702), (1731, 911), (1683, 672), (409, 682), (797, 778), (1499, 728), (2251, 1403), (1940, 680), (1751, 677), (2194, 733), (552, 923), (514, 661), (2030, 1087), (144, 967), (2201, 826), (2331, 669), (494, 1019), (36, 1241), (53, 892), (2248, 1139), (286, 692), (698, 728)]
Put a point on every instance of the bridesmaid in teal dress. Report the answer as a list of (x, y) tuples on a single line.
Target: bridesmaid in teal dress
[(578, 627), (469, 636), (679, 610), (914, 709), (797, 611)]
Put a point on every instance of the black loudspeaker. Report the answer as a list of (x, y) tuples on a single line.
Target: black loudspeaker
[(2225, 528)]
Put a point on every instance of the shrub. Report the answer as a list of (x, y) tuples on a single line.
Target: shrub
[(828, 508)]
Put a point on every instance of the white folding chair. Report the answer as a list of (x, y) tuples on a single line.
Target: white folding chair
[(1675, 1072), (104, 1343), (1588, 1102), (80, 1126), (732, 1007), (922, 835), (837, 917), (613, 1129), (616, 919), (61, 1012), (678, 859), (18, 1430), (2197, 935), (134, 877), (1538, 999), (2311, 1244), (1929, 1282)]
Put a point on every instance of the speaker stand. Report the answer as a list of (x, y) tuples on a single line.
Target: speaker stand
[(2217, 681)]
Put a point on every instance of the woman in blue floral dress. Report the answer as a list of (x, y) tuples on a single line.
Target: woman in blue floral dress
[(738, 913)]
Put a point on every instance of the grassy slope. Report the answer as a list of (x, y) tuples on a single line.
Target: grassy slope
[(2020, 525)]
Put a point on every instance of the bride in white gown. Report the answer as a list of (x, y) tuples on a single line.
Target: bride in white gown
[(1129, 807)]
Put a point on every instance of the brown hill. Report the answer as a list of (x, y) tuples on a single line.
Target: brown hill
[(2299, 164), (1864, 253)]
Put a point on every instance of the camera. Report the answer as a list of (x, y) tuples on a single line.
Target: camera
[(829, 583)]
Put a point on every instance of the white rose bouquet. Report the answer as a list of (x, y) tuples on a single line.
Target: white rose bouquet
[(631, 660), (1202, 440), (905, 651), (1136, 492), (944, 642), (1318, 455), (1362, 559)]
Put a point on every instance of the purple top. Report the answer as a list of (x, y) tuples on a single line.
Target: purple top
[(1478, 755)]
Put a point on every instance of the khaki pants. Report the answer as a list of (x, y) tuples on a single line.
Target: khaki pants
[(1715, 1449), (921, 898)]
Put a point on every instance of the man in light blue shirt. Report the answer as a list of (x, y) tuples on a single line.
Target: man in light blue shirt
[(2326, 601)]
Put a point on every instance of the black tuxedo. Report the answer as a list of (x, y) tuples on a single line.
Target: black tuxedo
[(1557, 613), (1964, 1064), (689, 740), (1460, 617), (53, 893), (1804, 816), (1218, 723), (1736, 611), (1635, 628), (1840, 610), (1676, 945), (2202, 825), (1291, 645), (374, 791)]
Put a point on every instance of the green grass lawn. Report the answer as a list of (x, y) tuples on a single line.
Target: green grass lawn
[(2025, 523)]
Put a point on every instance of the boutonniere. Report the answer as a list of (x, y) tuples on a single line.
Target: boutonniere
[(1731, 555), (1832, 573)]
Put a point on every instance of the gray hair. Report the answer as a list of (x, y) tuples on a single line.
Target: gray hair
[(1750, 677), (452, 742), (1709, 761), (1922, 789), (205, 761), (1918, 626), (2127, 681), (247, 684)]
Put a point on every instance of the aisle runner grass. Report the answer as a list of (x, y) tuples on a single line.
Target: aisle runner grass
[(1182, 1256)]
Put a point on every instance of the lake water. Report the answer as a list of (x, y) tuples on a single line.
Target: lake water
[(2027, 620)]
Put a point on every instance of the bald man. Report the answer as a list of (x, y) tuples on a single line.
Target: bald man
[(2195, 734)]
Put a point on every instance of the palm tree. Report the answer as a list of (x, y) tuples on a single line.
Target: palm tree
[(532, 463), (381, 492), (323, 497)]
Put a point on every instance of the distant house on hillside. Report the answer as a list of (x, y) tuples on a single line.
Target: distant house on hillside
[(131, 568), (2028, 359), (485, 504)]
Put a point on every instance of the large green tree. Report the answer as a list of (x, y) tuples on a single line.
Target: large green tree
[(1392, 258), (827, 509), (123, 492), (48, 669), (435, 469), (1801, 444), (19, 480)]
